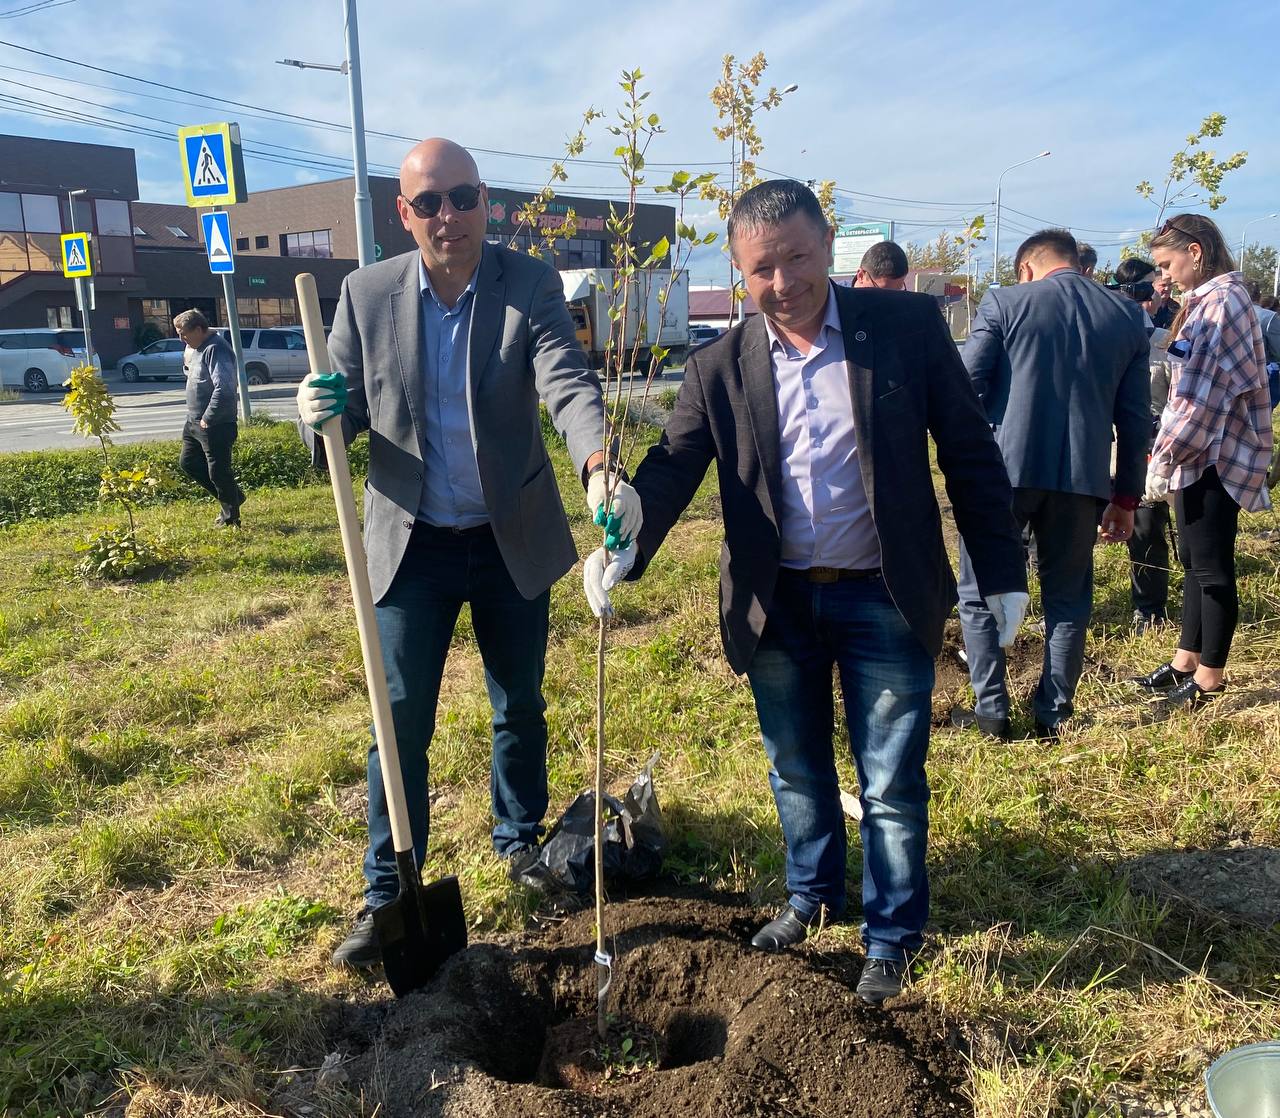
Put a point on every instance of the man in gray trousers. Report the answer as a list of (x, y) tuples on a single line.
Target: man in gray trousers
[(443, 354), (211, 428), (1058, 362)]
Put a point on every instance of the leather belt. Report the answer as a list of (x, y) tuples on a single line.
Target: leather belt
[(832, 574), (453, 533)]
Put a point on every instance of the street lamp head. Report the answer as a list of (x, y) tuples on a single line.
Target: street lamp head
[(1043, 154), (291, 62), (791, 88)]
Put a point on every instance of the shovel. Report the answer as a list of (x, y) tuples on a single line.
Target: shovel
[(424, 925)]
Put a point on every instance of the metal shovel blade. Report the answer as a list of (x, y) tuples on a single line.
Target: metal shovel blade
[(419, 930)]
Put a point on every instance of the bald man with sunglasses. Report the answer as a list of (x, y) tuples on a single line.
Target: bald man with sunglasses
[(443, 354)]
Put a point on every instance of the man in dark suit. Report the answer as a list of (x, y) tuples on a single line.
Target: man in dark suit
[(1058, 362), (817, 414), (443, 354)]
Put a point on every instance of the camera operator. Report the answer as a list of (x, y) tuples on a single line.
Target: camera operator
[(1149, 545)]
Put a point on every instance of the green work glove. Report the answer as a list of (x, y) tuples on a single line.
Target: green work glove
[(321, 396)]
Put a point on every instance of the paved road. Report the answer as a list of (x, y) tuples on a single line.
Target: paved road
[(151, 410), (154, 410)]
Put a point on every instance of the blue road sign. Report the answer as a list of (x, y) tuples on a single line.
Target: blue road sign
[(206, 157), (217, 242)]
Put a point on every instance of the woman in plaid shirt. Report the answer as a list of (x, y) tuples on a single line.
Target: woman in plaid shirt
[(1212, 451)]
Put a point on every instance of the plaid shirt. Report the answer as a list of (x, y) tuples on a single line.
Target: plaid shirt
[(1219, 412)]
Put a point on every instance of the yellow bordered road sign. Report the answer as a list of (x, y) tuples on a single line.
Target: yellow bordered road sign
[(76, 262), (212, 164)]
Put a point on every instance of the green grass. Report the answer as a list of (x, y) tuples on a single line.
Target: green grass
[(181, 828)]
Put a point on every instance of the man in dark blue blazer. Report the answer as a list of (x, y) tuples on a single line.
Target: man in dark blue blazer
[(1058, 362), (818, 414)]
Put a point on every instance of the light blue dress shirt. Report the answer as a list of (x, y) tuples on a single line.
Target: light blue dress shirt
[(825, 517), (451, 493)]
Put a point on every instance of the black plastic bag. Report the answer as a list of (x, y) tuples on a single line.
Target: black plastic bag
[(634, 841)]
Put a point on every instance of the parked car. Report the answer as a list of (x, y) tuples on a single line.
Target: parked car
[(160, 360), (274, 353), (700, 335), (39, 360)]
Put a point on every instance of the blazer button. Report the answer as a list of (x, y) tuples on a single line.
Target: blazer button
[(860, 336), (407, 523)]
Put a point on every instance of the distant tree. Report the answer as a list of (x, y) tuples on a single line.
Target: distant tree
[(946, 254), (1008, 277), (1260, 265)]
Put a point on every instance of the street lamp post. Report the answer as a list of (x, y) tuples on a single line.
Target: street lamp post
[(82, 290), (738, 308), (995, 244), (351, 67), (1265, 217)]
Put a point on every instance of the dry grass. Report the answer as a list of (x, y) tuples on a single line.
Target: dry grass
[(181, 819)]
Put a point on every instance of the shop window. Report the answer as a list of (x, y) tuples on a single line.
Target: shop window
[(315, 243), (45, 251), (113, 218), (115, 255), (40, 213), (58, 318), (13, 252), (11, 213)]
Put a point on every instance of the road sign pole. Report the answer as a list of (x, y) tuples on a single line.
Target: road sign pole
[(233, 326), (82, 301)]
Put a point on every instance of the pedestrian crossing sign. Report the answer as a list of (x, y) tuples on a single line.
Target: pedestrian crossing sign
[(212, 164), (76, 262), (217, 242)]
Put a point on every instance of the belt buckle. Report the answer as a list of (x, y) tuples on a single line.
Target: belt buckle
[(823, 575)]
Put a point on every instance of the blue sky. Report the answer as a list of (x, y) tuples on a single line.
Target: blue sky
[(905, 100)]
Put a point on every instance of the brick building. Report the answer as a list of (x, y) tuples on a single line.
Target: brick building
[(149, 260)]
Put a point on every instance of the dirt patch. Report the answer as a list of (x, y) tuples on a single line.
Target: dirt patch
[(1240, 882), (739, 1033), (1023, 664)]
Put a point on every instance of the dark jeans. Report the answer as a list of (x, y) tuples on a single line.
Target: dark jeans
[(1208, 518), (1064, 530), (886, 677), (1149, 559), (442, 569), (206, 459)]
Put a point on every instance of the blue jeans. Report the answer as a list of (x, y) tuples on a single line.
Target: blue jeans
[(441, 570), (886, 677), (1064, 527)]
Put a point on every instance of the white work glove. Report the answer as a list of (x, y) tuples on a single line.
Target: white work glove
[(321, 396), (1008, 610), (625, 518), (1157, 486), (602, 571)]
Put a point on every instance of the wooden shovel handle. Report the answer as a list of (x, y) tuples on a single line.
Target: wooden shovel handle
[(358, 573)]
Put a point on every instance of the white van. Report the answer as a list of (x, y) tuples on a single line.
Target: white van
[(39, 360)]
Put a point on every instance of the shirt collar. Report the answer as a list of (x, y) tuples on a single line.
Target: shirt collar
[(1213, 284), (425, 288), (830, 321)]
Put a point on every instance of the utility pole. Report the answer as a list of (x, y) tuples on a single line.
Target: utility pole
[(365, 250)]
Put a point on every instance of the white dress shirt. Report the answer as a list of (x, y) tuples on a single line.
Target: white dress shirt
[(825, 517)]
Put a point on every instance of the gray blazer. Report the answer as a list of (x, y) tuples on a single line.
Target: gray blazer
[(1057, 364), (522, 347)]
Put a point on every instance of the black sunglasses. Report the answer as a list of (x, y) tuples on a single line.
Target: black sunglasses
[(461, 198), (1140, 292)]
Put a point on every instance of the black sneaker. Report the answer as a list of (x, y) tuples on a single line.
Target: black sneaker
[(524, 867), (360, 950), (881, 979), (1165, 678), (1189, 695)]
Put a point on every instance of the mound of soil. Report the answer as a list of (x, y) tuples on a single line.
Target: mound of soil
[(738, 1032)]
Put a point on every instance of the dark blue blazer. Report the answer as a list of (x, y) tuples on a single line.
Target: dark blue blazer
[(1058, 363), (907, 383)]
